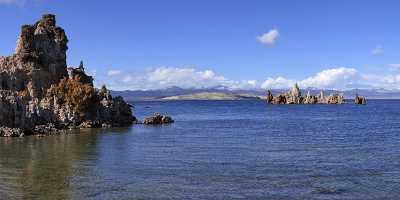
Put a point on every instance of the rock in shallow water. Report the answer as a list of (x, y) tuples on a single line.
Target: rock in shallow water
[(157, 118), (11, 132), (46, 129)]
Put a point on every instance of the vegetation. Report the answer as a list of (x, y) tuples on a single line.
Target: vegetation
[(74, 93), (23, 93)]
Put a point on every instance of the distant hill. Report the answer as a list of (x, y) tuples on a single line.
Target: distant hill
[(215, 93), (212, 96), (154, 95)]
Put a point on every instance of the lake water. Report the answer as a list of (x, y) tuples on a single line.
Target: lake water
[(217, 150)]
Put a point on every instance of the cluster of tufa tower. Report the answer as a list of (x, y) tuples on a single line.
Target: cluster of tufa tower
[(293, 96)]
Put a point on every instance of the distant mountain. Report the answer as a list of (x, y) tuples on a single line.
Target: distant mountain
[(174, 92)]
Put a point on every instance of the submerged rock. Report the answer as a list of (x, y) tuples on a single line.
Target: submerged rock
[(46, 129), (90, 124), (39, 94), (157, 118), (11, 132)]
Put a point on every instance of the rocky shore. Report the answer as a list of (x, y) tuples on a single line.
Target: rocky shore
[(39, 94)]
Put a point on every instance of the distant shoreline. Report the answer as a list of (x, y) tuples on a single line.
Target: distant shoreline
[(158, 95), (348, 101)]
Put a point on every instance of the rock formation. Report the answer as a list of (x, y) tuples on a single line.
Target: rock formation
[(335, 99), (281, 99), (38, 92), (360, 100), (157, 118), (270, 98), (293, 96), (310, 99)]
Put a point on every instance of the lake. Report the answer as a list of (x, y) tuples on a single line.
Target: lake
[(216, 150)]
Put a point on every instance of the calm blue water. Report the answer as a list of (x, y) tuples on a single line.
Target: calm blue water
[(217, 150)]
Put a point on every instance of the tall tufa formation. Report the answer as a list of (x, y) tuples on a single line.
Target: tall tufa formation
[(39, 60), (293, 96), (39, 93)]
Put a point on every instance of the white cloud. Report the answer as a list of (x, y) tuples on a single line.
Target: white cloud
[(269, 38), (9, 1), (277, 83), (15, 2), (113, 72), (336, 78), (395, 66), (252, 82), (19, 2), (377, 50), (187, 77), (127, 79), (192, 78), (340, 78), (165, 77), (386, 81)]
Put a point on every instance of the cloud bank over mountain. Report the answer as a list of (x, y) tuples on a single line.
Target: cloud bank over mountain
[(166, 77), (339, 78), (335, 78)]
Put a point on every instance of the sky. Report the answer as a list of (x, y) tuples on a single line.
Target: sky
[(236, 44)]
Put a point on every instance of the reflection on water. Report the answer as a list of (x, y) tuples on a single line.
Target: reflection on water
[(216, 150), (46, 167)]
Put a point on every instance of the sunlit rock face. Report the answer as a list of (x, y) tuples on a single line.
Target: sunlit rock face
[(39, 60), (37, 88)]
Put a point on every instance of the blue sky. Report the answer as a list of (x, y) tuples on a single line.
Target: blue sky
[(153, 44)]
